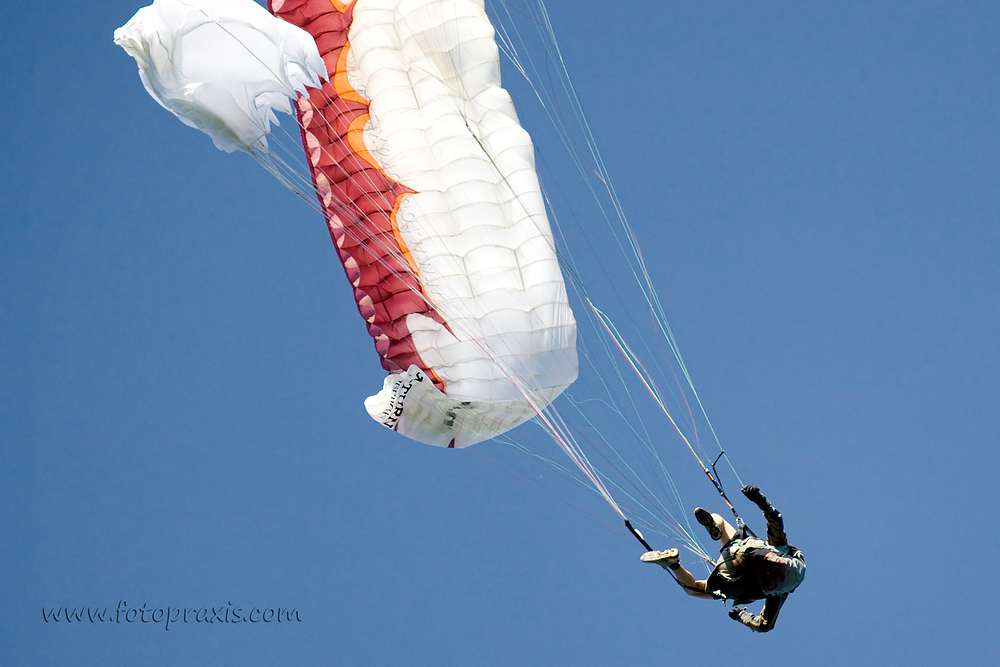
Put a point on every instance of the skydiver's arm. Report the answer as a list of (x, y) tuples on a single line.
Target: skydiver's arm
[(775, 524), (767, 618)]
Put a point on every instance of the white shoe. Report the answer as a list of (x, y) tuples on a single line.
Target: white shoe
[(661, 558)]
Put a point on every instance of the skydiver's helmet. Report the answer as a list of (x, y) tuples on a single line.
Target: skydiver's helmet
[(781, 574)]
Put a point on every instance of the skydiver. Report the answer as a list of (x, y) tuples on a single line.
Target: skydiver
[(749, 569)]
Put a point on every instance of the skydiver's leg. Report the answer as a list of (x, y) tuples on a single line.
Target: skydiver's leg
[(688, 583), (728, 532), (669, 561)]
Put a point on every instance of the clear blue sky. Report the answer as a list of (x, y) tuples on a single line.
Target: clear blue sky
[(816, 189)]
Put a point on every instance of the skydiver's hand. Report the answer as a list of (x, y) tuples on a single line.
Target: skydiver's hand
[(753, 494), (735, 613)]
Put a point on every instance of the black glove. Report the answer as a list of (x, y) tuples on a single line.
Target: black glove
[(754, 495), (735, 613)]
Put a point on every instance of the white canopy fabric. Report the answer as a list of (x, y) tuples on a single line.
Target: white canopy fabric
[(221, 66)]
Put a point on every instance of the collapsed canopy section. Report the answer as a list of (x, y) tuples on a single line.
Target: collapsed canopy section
[(221, 66)]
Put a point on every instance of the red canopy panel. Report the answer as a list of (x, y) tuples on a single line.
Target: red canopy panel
[(359, 201)]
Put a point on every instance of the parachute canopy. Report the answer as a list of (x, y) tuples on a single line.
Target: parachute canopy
[(416, 160), (425, 178), (221, 66)]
